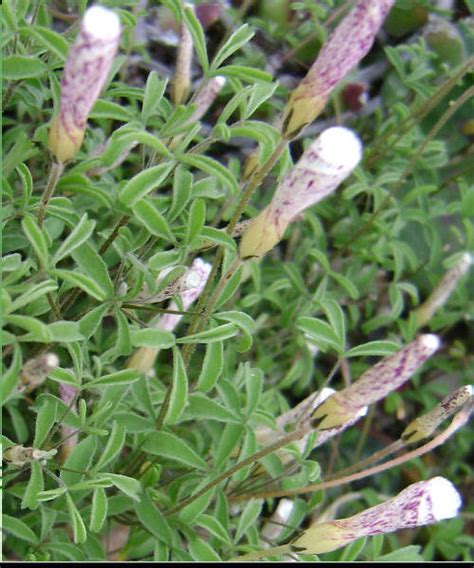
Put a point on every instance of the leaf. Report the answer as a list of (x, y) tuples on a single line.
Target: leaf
[(44, 421), (335, 316), (65, 331), (89, 323), (142, 137), (212, 366), (217, 334), (213, 526), (127, 485), (79, 235), (244, 322), (179, 389), (154, 90), (170, 446), (82, 281), (38, 330), (19, 529), (98, 510), (17, 67), (114, 445), (153, 220), (49, 39), (35, 485), (11, 262), (219, 237), (371, 348), (247, 517), (247, 74), (239, 38), (319, 331), (33, 294), (144, 182), (406, 554), (37, 239), (78, 527), (108, 109), (196, 219), (11, 376), (212, 167), (202, 551), (79, 460), (123, 344), (93, 265), (152, 337), (182, 188), (153, 519), (118, 378), (202, 407), (197, 34)]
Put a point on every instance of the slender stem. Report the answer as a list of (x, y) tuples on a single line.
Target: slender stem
[(296, 435), (458, 421), (55, 172)]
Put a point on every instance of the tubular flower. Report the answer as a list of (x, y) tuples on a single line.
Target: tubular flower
[(88, 64), (346, 46), (181, 83), (422, 503), (299, 417), (144, 358), (422, 427), (443, 290), (329, 160), (378, 381)]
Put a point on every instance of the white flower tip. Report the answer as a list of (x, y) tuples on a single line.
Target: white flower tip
[(445, 498), (52, 360), (285, 506), (467, 259), (430, 341), (101, 23), (340, 147), (220, 80), (324, 394), (362, 412)]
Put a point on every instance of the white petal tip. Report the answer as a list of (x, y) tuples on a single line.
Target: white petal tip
[(285, 506), (445, 498), (52, 360), (340, 147), (469, 389), (467, 259), (101, 23), (431, 341), (363, 411), (220, 80)]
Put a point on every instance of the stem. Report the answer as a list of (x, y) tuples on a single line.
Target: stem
[(458, 421), (240, 465), (283, 549), (55, 172)]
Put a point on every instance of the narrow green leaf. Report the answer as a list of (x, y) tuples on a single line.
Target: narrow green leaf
[(153, 519), (79, 460), (179, 389), (82, 281), (152, 219), (93, 265), (79, 235), (182, 188), (35, 485), (212, 366), (213, 525), (196, 219), (217, 334), (17, 67), (114, 445), (89, 323), (219, 237), (382, 348), (127, 485), (248, 516), (39, 331), (247, 74), (98, 510), (239, 38), (118, 378), (202, 407), (37, 239), (152, 337), (19, 529), (202, 552), (212, 167), (49, 39), (145, 182), (44, 421), (78, 527), (65, 331), (172, 447), (154, 90), (319, 331)]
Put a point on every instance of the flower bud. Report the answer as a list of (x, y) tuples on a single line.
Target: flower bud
[(68, 394), (195, 278), (181, 83), (443, 290), (87, 67), (329, 160), (422, 503), (206, 96), (376, 383), (35, 371), (424, 426), (19, 455), (346, 46)]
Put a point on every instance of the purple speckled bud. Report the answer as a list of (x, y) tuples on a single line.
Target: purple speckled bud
[(322, 168), (424, 426), (299, 417), (376, 383), (422, 503), (194, 281), (443, 290), (87, 67), (346, 46)]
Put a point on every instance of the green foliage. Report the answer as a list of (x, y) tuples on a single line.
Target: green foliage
[(152, 189)]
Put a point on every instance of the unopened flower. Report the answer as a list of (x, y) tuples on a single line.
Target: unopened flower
[(206, 96), (424, 426), (19, 455), (272, 529), (443, 290), (376, 383), (69, 435), (322, 168), (88, 64), (300, 417), (35, 371), (347, 45), (196, 277), (181, 83), (422, 503)]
